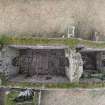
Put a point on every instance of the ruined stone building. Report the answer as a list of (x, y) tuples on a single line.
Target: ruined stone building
[(57, 63), (50, 63)]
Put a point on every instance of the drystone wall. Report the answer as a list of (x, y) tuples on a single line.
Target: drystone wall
[(6, 56), (2, 96)]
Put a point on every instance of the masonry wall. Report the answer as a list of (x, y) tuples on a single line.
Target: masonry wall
[(6, 56), (51, 17), (10, 55), (2, 96)]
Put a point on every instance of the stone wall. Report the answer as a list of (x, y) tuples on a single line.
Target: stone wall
[(51, 17), (2, 96), (6, 56), (101, 61)]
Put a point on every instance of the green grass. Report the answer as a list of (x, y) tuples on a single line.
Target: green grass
[(9, 98), (71, 42), (54, 85)]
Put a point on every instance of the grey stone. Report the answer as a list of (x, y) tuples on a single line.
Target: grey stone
[(75, 69)]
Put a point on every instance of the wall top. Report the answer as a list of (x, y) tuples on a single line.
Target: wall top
[(39, 46), (92, 50)]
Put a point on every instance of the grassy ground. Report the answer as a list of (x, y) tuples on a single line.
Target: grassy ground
[(69, 42), (48, 41), (9, 99), (54, 85)]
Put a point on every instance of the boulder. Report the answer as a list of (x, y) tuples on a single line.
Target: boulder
[(75, 69)]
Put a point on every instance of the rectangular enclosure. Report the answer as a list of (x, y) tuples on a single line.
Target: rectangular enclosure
[(94, 65), (94, 59), (42, 61), (39, 63)]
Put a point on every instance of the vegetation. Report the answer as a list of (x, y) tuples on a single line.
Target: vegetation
[(3, 78), (72, 42), (10, 97), (54, 85), (4, 40)]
